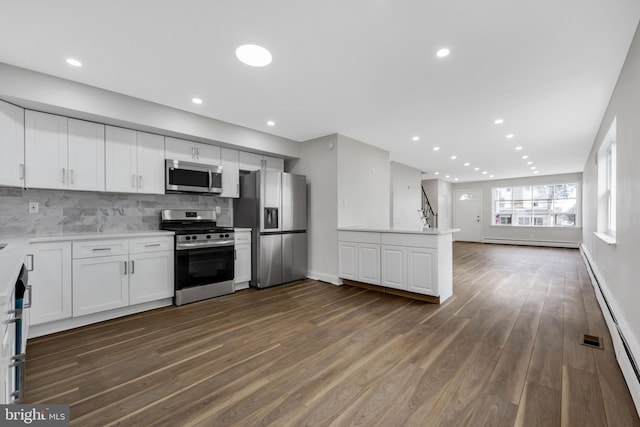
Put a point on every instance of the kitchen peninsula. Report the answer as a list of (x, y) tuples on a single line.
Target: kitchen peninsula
[(416, 263)]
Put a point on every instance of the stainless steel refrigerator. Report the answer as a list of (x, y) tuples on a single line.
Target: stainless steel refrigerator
[(274, 205)]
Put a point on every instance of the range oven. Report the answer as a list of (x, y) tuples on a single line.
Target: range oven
[(204, 255)]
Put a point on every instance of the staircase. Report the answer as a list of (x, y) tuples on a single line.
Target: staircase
[(428, 217)]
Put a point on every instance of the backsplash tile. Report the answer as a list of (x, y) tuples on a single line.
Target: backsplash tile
[(81, 212)]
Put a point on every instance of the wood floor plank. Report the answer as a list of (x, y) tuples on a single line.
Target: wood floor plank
[(504, 350)]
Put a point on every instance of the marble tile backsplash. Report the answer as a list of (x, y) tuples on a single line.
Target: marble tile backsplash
[(85, 212)]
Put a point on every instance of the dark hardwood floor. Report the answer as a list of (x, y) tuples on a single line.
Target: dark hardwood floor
[(505, 350)]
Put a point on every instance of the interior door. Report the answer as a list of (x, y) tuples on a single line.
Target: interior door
[(467, 215)]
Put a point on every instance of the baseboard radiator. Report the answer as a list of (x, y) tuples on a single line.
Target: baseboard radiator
[(526, 242), (629, 367)]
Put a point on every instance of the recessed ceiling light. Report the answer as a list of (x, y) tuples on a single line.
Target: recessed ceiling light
[(454, 157), (529, 162), (415, 138), (533, 168), (271, 123), (455, 179), (525, 157), (535, 171), (476, 169), (467, 164), (436, 148), (498, 121), (510, 136), (518, 148), (443, 52), (253, 55), (446, 176), (197, 101), (491, 176), (484, 172), (74, 62), (437, 173)]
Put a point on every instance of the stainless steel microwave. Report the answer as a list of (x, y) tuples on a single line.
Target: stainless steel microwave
[(186, 177)]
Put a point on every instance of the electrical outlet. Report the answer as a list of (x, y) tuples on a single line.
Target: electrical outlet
[(218, 209), (33, 207)]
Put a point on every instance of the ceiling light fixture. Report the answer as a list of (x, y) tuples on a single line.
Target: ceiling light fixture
[(533, 168), (491, 176), (510, 136), (476, 169), (436, 148), (253, 55), (535, 172), (446, 176), (197, 101), (437, 173), (467, 164), (525, 157), (455, 179), (529, 162), (271, 123), (519, 148), (484, 172), (443, 52), (415, 138), (454, 157), (74, 62), (498, 121)]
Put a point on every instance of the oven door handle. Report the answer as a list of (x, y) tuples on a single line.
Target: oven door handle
[(222, 244)]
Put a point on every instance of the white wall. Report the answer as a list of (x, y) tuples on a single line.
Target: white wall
[(363, 184), (51, 94), (557, 236), (318, 161), (618, 265), (406, 196), (445, 205)]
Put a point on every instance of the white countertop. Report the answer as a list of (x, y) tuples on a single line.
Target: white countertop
[(241, 229), (13, 255), (402, 230)]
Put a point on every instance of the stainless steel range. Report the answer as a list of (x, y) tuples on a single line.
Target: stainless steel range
[(204, 254)]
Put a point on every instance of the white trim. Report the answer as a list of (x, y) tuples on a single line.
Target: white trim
[(526, 242), (456, 199), (76, 322), (324, 277), (608, 239), (617, 332)]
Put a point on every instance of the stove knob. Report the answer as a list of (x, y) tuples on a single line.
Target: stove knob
[(208, 236), (226, 235), (195, 237), (222, 236), (187, 238)]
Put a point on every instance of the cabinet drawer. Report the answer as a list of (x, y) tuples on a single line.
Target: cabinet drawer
[(242, 237), (359, 237), (97, 248), (151, 244)]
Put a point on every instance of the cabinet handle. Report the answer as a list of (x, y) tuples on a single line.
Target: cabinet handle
[(64, 173), (238, 190), (30, 262), (100, 249), (133, 181), (139, 181), (71, 176), (22, 172), (17, 315), (125, 267), (20, 361), (30, 299), (197, 153), (193, 153), (133, 266), (150, 245)]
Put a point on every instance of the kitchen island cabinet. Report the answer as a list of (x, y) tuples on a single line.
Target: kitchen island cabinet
[(413, 263)]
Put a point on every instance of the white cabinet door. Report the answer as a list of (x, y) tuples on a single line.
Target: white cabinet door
[(273, 164), (120, 166), (45, 150), (151, 277), (230, 173), (347, 260), (242, 265), (422, 271), (50, 279), (249, 161), (207, 154), (150, 165), (369, 263), (11, 145), (85, 155), (100, 284), (394, 266), (179, 149)]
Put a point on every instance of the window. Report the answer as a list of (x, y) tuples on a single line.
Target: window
[(606, 161), (549, 205)]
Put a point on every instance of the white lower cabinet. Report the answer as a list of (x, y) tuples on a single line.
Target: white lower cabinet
[(242, 266), (369, 263), (347, 260), (50, 280), (394, 267), (100, 284), (422, 271), (151, 277)]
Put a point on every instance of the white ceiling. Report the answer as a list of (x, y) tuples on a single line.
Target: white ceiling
[(363, 68)]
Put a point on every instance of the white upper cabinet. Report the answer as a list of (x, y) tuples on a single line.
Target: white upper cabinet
[(12, 145), (62, 153), (253, 162), (86, 155), (230, 173), (134, 161), (188, 151)]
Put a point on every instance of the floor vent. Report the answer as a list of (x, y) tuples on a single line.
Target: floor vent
[(592, 341)]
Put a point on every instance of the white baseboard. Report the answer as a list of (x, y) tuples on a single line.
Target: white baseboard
[(525, 242), (76, 322), (323, 277), (626, 347)]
